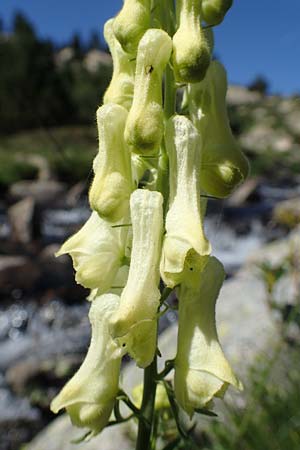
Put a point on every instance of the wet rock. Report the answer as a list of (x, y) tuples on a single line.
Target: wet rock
[(40, 163), (75, 193), (238, 95), (243, 192), (18, 421), (59, 435), (17, 272), (287, 212), (23, 221), (44, 192)]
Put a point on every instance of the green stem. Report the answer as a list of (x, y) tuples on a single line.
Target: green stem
[(147, 409), (165, 11)]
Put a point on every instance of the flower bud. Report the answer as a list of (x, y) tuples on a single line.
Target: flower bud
[(223, 165), (145, 123), (201, 369), (134, 324), (97, 251), (213, 11), (185, 245), (131, 23), (112, 185), (90, 394), (191, 51), (120, 89)]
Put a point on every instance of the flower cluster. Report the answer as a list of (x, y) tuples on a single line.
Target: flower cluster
[(152, 176)]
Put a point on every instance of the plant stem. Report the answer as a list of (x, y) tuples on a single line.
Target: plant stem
[(146, 421), (165, 10)]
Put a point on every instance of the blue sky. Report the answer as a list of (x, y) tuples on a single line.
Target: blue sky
[(258, 37)]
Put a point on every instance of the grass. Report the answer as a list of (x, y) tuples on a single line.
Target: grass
[(69, 152)]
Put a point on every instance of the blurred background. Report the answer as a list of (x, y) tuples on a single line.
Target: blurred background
[(54, 69)]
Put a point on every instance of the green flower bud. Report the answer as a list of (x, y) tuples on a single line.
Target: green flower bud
[(120, 89), (134, 324), (185, 245), (90, 395), (131, 23), (223, 165), (97, 251), (191, 51), (213, 11), (201, 369), (145, 123), (112, 185)]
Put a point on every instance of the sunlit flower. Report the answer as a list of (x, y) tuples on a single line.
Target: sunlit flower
[(223, 165), (201, 369), (191, 52), (120, 89), (98, 251), (134, 324), (90, 395), (145, 123), (112, 184), (185, 246)]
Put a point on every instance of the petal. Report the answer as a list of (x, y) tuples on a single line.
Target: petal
[(185, 240), (97, 251), (145, 124), (223, 165), (90, 394), (201, 369), (134, 325), (112, 184)]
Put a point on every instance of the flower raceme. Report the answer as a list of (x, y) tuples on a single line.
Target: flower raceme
[(185, 244), (134, 324), (201, 369), (90, 395), (125, 246)]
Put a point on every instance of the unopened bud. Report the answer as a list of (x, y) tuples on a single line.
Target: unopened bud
[(120, 89), (213, 11), (131, 23), (145, 123), (191, 51)]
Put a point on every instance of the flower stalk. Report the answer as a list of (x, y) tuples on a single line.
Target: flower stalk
[(155, 169)]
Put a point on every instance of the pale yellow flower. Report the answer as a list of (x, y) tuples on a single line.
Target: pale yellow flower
[(90, 395), (120, 89), (223, 165), (191, 52), (185, 246), (98, 251), (145, 124), (201, 369), (131, 23), (112, 184), (134, 324)]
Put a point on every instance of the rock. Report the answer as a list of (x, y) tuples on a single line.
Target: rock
[(262, 137), (243, 192), (59, 434), (287, 212), (238, 95), (18, 421), (40, 162), (17, 272), (96, 58), (42, 191), (23, 221), (75, 193)]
